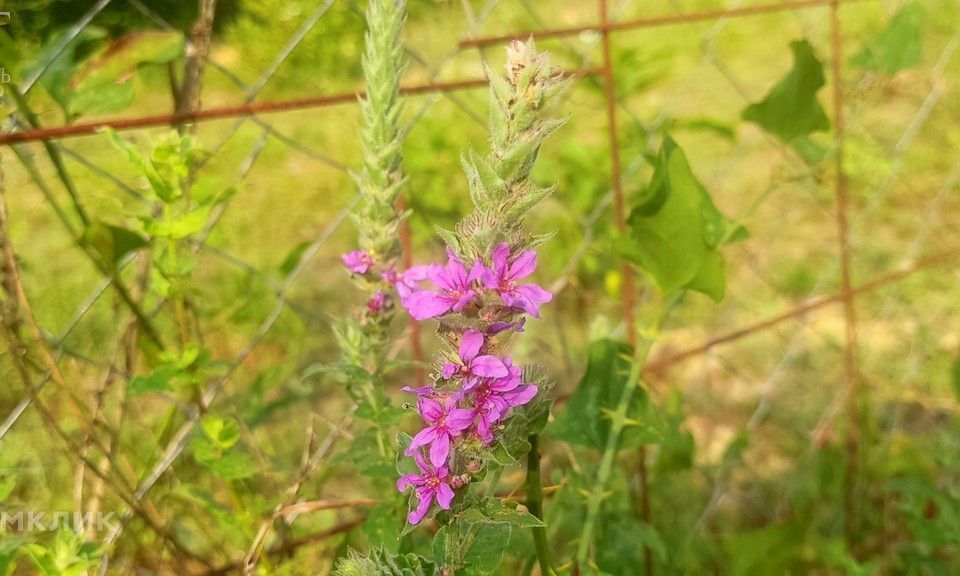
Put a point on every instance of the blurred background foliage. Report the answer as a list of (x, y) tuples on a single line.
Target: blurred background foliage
[(747, 456)]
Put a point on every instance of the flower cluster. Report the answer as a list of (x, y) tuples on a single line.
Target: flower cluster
[(476, 388), (380, 279)]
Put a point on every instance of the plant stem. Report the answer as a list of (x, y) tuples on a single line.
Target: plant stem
[(535, 504), (618, 422)]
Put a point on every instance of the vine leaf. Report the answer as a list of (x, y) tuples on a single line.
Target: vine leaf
[(585, 420), (791, 110), (898, 46), (111, 242), (676, 230)]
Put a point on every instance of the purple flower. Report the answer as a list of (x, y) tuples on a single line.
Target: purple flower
[(494, 397), (456, 290), (472, 364), (504, 275), (445, 422), (431, 484), (501, 326), (406, 282), (378, 302), (357, 261)]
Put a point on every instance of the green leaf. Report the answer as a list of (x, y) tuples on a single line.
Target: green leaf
[(67, 555), (791, 109), (179, 227), (227, 464), (160, 380), (585, 420), (486, 549), (105, 81), (223, 433), (898, 46), (111, 242), (60, 68), (382, 562), (10, 547), (158, 185), (293, 258), (675, 229)]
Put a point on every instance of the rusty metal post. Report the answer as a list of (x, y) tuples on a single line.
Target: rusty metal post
[(851, 376)]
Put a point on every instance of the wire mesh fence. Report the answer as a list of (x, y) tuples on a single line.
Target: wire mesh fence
[(740, 364)]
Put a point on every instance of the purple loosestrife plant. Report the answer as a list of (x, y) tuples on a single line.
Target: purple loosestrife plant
[(481, 406), (372, 265)]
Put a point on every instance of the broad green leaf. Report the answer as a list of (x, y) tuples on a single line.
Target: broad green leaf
[(585, 419), (486, 549), (112, 242), (791, 109), (233, 466), (105, 81), (293, 258), (101, 98), (476, 549), (159, 380), (61, 68), (675, 229), (224, 433), (227, 464), (898, 46), (496, 511)]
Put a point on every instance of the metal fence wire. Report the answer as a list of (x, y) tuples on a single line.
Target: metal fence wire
[(688, 360)]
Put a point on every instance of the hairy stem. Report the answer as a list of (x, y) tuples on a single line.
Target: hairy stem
[(619, 421)]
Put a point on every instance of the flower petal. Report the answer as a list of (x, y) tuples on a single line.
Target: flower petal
[(416, 515), (463, 300), (523, 266), (499, 256), (430, 409), (521, 395), (423, 437), (440, 449), (488, 367), (444, 496), (448, 370), (425, 304), (476, 272), (408, 480), (470, 345), (459, 419)]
